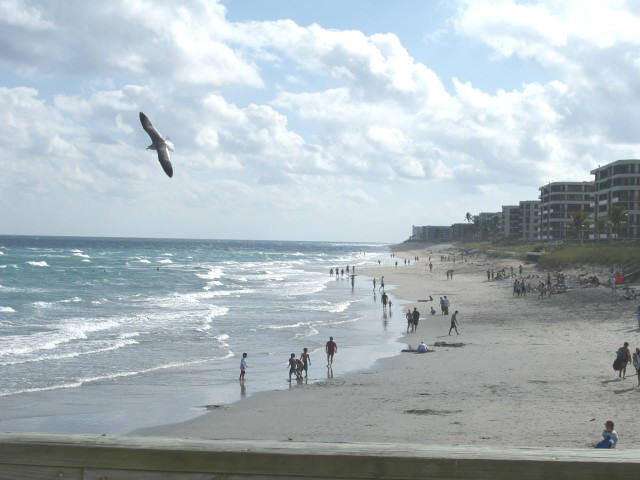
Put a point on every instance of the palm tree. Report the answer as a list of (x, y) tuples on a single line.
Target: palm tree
[(617, 216), (601, 227), (468, 217)]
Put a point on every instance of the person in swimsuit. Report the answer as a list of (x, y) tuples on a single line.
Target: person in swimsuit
[(454, 323), (306, 361), (293, 366), (331, 349)]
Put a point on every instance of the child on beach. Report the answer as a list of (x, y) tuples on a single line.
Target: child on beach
[(243, 366), (293, 366), (609, 436), (306, 361)]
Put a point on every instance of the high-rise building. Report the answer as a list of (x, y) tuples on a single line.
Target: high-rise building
[(558, 200), (617, 184), (511, 222), (529, 220)]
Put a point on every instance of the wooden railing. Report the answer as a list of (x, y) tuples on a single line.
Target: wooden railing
[(90, 457)]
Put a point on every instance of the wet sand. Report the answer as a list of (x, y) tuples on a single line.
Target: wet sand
[(531, 372)]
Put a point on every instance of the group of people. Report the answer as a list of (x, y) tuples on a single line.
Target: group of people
[(340, 271), (412, 319), (298, 367)]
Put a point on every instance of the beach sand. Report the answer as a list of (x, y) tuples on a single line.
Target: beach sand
[(531, 372)]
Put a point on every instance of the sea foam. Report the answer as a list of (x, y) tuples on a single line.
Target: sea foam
[(38, 264)]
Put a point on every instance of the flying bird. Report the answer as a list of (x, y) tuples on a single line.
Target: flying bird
[(158, 143)]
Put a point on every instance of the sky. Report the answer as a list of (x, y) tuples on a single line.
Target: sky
[(332, 120)]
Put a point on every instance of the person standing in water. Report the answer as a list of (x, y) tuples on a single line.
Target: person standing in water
[(306, 361), (331, 348), (243, 366)]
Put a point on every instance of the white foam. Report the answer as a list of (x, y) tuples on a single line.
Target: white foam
[(75, 250), (143, 260), (340, 307), (310, 332), (212, 274), (166, 260), (42, 304), (2, 253), (38, 264), (122, 342), (6, 310), (80, 254), (70, 300), (168, 254), (77, 329), (86, 261)]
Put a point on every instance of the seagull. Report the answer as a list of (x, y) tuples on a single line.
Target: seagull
[(159, 144)]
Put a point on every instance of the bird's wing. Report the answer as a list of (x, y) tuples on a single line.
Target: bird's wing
[(163, 158), (150, 129)]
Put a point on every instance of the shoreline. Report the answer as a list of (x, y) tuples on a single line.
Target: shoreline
[(531, 372)]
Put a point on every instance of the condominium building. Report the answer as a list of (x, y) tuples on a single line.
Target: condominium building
[(558, 200), (430, 233), (511, 229), (617, 183), (463, 232), (529, 220)]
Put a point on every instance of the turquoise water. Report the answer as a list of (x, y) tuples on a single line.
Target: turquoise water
[(108, 335)]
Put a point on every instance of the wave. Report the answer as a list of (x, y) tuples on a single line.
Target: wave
[(42, 304), (75, 250), (86, 260), (2, 253), (340, 307), (214, 311), (167, 254), (120, 343), (212, 283), (80, 254), (212, 274), (310, 332), (38, 264), (70, 300), (6, 310), (166, 260), (49, 340), (143, 260), (79, 382)]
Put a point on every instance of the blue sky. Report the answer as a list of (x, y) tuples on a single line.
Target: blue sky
[(304, 120)]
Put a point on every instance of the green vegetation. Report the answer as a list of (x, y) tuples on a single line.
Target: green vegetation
[(504, 250), (624, 255)]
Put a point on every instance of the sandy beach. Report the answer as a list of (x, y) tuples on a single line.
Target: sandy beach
[(531, 372)]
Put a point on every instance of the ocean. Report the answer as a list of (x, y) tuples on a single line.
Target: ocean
[(108, 335)]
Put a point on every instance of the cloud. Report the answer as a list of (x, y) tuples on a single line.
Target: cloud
[(277, 116)]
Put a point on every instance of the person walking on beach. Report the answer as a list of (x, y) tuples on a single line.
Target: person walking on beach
[(384, 300), (430, 267), (409, 318), (306, 361), (454, 323), (331, 348), (374, 284), (445, 304), (381, 283), (636, 363), (415, 315), (623, 357), (243, 366)]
